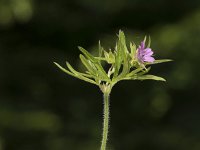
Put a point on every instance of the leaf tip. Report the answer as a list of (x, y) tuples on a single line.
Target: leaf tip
[(163, 80), (55, 63)]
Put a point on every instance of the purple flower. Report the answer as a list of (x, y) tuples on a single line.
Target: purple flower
[(144, 54)]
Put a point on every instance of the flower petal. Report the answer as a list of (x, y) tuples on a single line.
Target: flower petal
[(149, 59), (148, 51), (142, 45)]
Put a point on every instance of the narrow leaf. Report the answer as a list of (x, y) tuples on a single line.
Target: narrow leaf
[(77, 75), (100, 58), (144, 71), (150, 77), (121, 51), (87, 54), (125, 58), (96, 62), (90, 68), (63, 69), (134, 72), (102, 74), (122, 40), (117, 63), (159, 61)]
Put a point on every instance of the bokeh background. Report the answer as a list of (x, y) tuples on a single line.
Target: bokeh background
[(41, 108)]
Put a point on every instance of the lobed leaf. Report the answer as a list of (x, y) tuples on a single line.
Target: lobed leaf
[(125, 55), (100, 70), (121, 54), (76, 74)]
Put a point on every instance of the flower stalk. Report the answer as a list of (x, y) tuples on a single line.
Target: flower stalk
[(106, 113)]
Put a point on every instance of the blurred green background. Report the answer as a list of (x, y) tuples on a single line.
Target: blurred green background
[(41, 108)]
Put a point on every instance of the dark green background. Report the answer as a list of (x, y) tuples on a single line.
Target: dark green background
[(41, 108)]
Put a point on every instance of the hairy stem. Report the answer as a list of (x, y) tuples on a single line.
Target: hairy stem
[(105, 121)]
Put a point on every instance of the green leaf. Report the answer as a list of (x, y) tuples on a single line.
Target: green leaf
[(149, 77), (79, 74), (125, 69), (76, 74), (91, 68), (73, 70), (122, 40), (63, 69), (100, 58), (144, 71), (97, 71), (102, 74), (117, 63), (134, 72), (121, 54), (159, 61), (101, 71), (123, 47), (87, 54)]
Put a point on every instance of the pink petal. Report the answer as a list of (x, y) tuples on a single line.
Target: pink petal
[(149, 59), (148, 51)]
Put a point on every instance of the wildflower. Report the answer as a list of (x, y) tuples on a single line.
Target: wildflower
[(120, 69), (144, 54)]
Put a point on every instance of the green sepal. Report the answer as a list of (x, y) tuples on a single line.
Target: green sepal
[(149, 42)]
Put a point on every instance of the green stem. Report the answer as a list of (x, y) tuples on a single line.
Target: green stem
[(105, 121)]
